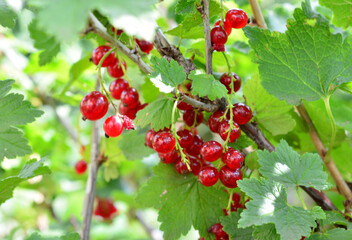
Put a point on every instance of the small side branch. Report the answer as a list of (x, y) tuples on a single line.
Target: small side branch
[(258, 15), (204, 11)]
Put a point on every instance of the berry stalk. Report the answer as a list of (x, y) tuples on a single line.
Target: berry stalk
[(333, 127)]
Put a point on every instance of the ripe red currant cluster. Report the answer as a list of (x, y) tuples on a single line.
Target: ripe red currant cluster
[(235, 18), (105, 209)]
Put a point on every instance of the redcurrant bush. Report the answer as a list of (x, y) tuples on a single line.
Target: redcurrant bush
[(242, 114), (113, 126), (115, 69), (117, 87), (94, 106), (81, 167), (233, 159), (211, 151), (99, 53), (237, 18), (164, 142), (208, 176), (218, 38), (229, 177)]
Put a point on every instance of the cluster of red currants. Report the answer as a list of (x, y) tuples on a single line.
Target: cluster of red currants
[(105, 209), (235, 18)]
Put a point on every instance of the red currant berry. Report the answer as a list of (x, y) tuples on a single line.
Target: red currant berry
[(226, 80), (229, 177), (113, 126), (218, 231), (81, 167), (242, 114), (214, 121), (183, 106), (188, 86), (226, 26), (218, 38), (118, 31), (145, 46), (128, 123), (141, 106), (186, 138), (181, 167), (170, 157), (223, 131), (129, 98), (194, 149), (164, 142), (99, 53), (208, 176), (105, 209), (117, 86), (129, 112), (191, 115), (115, 69), (94, 106), (211, 151), (195, 165), (236, 204), (149, 138), (237, 18), (233, 159)]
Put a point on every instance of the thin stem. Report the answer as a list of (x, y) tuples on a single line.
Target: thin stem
[(208, 49), (228, 208), (301, 198), (222, 12), (333, 126), (227, 62)]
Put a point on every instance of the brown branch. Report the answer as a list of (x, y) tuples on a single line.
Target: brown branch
[(209, 107), (204, 11), (254, 133), (258, 16)]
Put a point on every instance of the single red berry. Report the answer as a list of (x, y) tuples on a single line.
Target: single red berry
[(236, 204), (303, 237), (208, 176), (145, 46), (218, 231), (237, 18), (117, 86), (194, 149), (129, 112), (129, 97), (105, 209), (191, 115), (186, 138), (128, 123), (118, 31), (242, 114), (226, 80), (81, 167), (164, 142), (226, 26), (99, 53), (170, 157), (229, 177), (233, 159), (195, 165), (211, 151), (113, 126), (181, 167), (183, 106), (223, 131), (115, 69), (214, 121), (94, 106), (218, 38), (149, 136), (188, 86)]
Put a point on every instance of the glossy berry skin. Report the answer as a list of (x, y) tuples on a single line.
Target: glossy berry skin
[(130, 98), (194, 149), (117, 87), (218, 231), (181, 167), (218, 37), (234, 134), (226, 80), (195, 165), (149, 138), (129, 112), (211, 151), (113, 126), (186, 138), (94, 106), (236, 18), (214, 121), (105, 209), (208, 176), (189, 117), (170, 157), (229, 177), (145, 46), (183, 106), (81, 167), (236, 204), (242, 114), (99, 53), (115, 69), (225, 26), (233, 159), (164, 142)]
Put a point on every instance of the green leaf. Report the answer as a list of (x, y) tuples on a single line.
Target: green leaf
[(12, 143), (172, 73), (342, 12), (137, 150), (290, 169), (193, 33), (242, 142), (342, 157), (42, 41), (265, 232), (306, 62), (8, 16), (230, 223), (342, 113), (158, 114), (31, 169), (70, 236), (149, 92), (334, 217), (269, 205), (185, 6), (206, 85), (183, 202), (347, 87), (334, 234), (273, 114)]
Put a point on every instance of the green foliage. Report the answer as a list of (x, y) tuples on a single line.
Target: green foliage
[(337, 233), (70, 236), (31, 169), (342, 12), (185, 6), (230, 226), (8, 16), (266, 232), (206, 85), (183, 202)]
